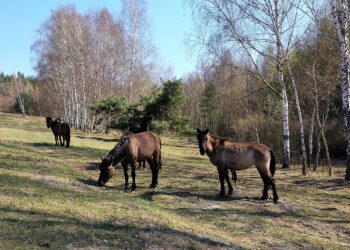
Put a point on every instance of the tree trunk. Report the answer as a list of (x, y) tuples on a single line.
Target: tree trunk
[(20, 96), (284, 104), (340, 13), (311, 135), (299, 116), (324, 144), (318, 146)]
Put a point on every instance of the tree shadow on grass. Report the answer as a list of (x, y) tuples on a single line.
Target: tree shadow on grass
[(326, 184), (115, 140), (37, 228), (188, 194)]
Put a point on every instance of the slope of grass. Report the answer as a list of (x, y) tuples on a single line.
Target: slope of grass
[(48, 198)]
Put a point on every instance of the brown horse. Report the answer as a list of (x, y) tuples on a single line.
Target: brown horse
[(131, 149), (226, 155)]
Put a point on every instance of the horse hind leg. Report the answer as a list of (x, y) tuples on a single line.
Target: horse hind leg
[(266, 187), (133, 175), (227, 177), (274, 191), (234, 175), (61, 141), (155, 170), (126, 176), (268, 182)]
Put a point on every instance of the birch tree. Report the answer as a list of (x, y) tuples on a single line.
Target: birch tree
[(139, 50), (340, 13), (19, 93)]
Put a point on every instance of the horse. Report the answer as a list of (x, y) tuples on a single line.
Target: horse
[(61, 131), (225, 155), (130, 149)]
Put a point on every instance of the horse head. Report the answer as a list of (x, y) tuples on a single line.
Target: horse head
[(202, 137), (106, 170), (48, 121)]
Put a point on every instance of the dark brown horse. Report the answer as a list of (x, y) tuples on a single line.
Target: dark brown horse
[(60, 130), (131, 149), (226, 155)]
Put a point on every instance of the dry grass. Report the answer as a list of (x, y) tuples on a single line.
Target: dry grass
[(48, 198)]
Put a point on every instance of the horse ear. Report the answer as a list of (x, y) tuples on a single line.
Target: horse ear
[(199, 131), (101, 157), (206, 131)]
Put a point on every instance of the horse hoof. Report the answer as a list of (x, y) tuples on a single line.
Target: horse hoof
[(126, 190), (133, 188), (152, 186), (263, 198), (230, 192), (221, 194)]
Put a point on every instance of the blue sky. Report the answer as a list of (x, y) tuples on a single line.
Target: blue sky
[(169, 19)]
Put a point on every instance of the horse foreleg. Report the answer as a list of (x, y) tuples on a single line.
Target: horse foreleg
[(133, 175), (56, 140), (126, 176), (222, 181), (227, 177)]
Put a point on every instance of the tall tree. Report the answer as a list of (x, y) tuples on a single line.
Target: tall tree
[(340, 13), (139, 50)]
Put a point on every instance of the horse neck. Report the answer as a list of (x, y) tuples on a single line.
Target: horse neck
[(119, 152), (211, 144)]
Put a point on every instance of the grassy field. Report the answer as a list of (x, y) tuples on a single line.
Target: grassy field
[(49, 199)]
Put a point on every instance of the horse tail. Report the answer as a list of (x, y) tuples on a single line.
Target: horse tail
[(68, 136), (160, 154), (272, 163)]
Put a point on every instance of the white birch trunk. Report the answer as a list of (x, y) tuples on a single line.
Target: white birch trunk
[(299, 116), (311, 136), (340, 13), (19, 95), (284, 101)]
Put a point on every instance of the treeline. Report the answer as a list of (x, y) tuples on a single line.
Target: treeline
[(21, 94), (84, 58)]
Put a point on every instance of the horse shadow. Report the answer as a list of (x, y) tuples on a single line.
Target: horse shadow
[(88, 182), (42, 144), (93, 166)]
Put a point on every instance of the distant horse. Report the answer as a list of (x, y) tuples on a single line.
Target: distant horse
[(130, 149), (238, 156), (136, 128), (61, 131)]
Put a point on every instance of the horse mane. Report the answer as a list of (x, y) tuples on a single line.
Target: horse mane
[(219, 140)]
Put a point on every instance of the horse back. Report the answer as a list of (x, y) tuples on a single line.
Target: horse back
[(239, 156), (145, 144)]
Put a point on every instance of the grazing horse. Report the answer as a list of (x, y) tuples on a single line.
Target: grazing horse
[(130, 149), (61, 131), (238, 156)]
